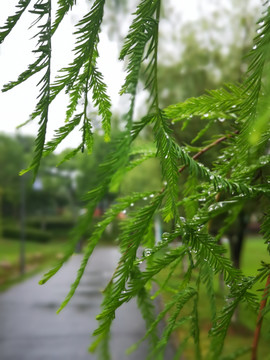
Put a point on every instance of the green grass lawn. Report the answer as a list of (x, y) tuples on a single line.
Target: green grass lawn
[(37, 257), (241, 332)]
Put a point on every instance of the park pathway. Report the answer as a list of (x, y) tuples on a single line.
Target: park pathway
[(31, 330)]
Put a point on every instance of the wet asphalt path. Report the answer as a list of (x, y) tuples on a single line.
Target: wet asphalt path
[(31, 330)]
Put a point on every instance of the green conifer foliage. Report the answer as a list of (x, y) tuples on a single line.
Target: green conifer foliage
[(238, 174)]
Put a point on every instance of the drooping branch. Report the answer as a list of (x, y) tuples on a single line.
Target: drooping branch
[(208, 147), (259, 320)]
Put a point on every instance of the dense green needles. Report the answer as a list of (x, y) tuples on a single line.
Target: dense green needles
[(211, 192)]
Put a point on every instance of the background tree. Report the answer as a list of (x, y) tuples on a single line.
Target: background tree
[(15, 153)]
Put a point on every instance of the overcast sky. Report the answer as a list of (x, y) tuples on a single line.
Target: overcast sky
[(15, 55)]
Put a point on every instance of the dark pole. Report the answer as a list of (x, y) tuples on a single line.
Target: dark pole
[(22, 213)]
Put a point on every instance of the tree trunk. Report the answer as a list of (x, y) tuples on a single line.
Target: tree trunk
[(237, 240), (236, 246)]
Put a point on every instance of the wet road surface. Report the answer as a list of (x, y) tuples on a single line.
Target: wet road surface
[(30, 329)]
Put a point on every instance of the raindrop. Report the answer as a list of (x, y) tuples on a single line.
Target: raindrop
[(165, 183), (152, 195), (262, 36), (259, 31), (124, 211), (234, 106), (211, 177), (166, 157), (132, 204), (182, 219), (206, 115), (228, 285), (202, 199), (205, 260), (145, 198), (167, 136), (254, 47), (261, 23), (221, 119), (263, 161), (147, 252), (165, 235)]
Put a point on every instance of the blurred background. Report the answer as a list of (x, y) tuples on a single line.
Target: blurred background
[(202, 46)]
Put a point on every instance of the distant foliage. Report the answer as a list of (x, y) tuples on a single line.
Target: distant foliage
[(240, 173)]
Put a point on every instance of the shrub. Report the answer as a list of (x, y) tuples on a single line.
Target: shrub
[(31, 234), (51, 223)]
